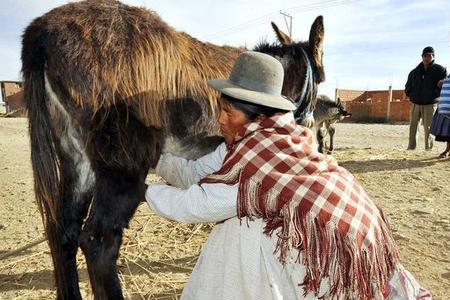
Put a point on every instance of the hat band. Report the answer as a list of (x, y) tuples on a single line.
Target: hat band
[(257, 86)]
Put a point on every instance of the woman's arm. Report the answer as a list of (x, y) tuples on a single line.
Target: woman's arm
[(198, 204), (183, 173)]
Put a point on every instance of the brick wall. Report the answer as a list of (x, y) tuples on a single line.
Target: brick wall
[(15, 101), (12, 95), (373, 105)]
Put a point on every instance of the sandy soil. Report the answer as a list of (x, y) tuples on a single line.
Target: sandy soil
[(157, 255)]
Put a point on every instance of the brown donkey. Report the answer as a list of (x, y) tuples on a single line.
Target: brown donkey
[(106, 85)]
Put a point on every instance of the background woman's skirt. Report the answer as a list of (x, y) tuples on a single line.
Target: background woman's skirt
[(440, 127)]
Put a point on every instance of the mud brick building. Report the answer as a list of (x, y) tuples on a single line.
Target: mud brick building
[(12, 95), (374, 106)]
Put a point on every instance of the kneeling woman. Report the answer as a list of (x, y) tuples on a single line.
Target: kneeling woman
[(291, 223)]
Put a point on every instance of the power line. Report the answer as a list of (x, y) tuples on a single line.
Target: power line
[(243, 26), (378, 49), (266, 18), (324, 4), (272, 16)]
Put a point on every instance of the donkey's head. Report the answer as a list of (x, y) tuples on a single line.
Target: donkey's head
[(341, 110), (302, 62)]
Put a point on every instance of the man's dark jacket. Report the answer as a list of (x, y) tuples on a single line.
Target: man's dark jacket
[(421, 87)]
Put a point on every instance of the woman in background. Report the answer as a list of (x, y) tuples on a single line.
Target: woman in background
[(440, 126)]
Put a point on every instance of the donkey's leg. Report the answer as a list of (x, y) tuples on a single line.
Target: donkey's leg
[(63, 241), (118, 193), (320, 137), (63, 236), (331, 131), (76, 180), (121, 150)]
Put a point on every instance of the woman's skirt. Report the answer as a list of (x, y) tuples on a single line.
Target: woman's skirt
[(440, 127)]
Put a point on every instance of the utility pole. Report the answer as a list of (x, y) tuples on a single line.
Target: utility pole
[(289, 26), (336, 90), (389, 100)]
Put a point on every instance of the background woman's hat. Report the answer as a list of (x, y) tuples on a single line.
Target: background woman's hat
[(256, 78)]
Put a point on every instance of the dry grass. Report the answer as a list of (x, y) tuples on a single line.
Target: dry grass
[(155, 261), (157, 256)]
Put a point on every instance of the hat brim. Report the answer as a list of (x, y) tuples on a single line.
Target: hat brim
[(233, 90)]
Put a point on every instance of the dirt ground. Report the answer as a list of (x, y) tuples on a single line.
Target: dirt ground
[(157, 255)]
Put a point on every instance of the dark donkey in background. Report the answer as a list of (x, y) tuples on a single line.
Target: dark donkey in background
[(107, 87), (327, 113)]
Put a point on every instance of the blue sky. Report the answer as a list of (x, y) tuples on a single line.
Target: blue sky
[(368, 44)]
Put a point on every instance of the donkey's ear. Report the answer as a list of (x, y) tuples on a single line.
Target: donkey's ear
[(316, 36), (282, 37)]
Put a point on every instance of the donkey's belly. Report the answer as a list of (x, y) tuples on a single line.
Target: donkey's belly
[(192, 129)]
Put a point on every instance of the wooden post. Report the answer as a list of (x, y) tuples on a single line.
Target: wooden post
[(388, 111)]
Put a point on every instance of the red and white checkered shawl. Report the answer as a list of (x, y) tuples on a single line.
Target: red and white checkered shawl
[(313, 205)]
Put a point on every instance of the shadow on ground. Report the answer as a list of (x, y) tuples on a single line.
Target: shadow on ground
[(380, 165), (43, 280)]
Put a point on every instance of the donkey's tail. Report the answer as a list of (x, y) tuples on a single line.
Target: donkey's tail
[(44, 155)]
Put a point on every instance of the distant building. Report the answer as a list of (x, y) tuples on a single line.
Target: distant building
[(375, 105), (12, 95)]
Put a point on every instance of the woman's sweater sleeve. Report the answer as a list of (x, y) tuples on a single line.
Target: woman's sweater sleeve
[(198, 204), (183, 173)]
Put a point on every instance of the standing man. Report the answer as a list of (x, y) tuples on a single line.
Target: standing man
[(423, 91)]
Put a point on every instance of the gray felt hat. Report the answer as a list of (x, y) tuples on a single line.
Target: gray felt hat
[(256, 78)]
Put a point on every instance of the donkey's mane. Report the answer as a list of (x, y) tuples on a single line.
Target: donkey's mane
[(275, 48), (326, 100), (278, 49), (138, 64)]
